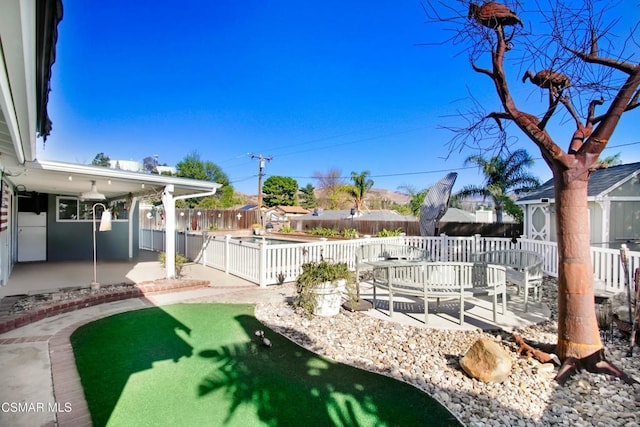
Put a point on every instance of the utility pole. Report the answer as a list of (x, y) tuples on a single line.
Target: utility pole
[(261, 160)]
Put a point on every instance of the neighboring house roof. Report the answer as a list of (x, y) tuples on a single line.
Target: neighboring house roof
[(291, 209), (248, 207), (458, 215), (319, 213), (383, 215), (601, 182)]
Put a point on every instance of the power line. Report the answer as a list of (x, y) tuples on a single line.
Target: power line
[(447, 170), (388, 175)]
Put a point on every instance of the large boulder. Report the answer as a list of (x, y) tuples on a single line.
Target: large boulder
[(487, 361)]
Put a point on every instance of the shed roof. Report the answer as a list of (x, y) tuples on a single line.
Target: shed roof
[(601, 182), (379, 215)]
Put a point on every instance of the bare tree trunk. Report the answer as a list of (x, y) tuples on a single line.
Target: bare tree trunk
[(578, 334)]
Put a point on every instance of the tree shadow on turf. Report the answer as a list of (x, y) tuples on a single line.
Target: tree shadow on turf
[(289, 385), (149, 336)]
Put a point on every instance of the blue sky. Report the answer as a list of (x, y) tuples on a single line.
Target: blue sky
[(314, 85)]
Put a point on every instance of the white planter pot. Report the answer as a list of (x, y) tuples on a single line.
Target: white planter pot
[(329, 298)]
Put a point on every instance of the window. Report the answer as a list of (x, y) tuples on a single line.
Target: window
[(73, 209)]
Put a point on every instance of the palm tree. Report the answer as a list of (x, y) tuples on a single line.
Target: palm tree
[(503, 175), (361, 185)]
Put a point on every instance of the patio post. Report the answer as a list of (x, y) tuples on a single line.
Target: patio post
[(227, 243), (170, 231), (262, 272)]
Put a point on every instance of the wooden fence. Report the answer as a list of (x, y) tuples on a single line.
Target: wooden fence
[(410, 228), (265, 263), (201, 219)]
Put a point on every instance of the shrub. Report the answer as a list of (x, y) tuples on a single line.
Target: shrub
[(180, 261), (350, 233), (286, 229), (324, 232), (389, 233)]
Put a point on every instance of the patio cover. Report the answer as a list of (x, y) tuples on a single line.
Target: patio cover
[(70, 179)]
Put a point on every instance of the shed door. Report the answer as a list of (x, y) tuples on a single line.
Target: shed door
[(539, 222)]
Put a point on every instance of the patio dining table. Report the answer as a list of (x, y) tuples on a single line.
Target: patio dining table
[(439, 280)]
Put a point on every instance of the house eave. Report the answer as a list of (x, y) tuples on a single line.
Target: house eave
[(48, 16)]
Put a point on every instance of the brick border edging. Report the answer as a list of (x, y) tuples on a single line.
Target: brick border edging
[(140, 290)]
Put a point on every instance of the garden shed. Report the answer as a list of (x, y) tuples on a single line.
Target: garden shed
[(614, 208)]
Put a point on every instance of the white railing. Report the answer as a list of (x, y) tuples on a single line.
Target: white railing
[(267, 264)]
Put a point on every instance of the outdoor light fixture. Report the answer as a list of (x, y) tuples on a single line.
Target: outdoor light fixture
[(105, 225), (93, 194)]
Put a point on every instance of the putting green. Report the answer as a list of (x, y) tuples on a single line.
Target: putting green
[(201, 364)]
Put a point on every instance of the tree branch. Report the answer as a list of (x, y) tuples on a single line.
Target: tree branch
[(633, 103), (553, 103), (497, 116), (481, 70), (571, 109), (624, 66), (592, 110)]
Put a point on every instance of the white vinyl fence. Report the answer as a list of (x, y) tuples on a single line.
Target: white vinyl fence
[(267, 263)]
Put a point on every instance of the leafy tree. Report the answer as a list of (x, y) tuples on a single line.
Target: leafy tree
[(583, 65), (101, 160), (308, 197), (611, 160), (416, 201), (150, 164), (280, 191), (503, 175), (333, 188), (195, 168), (513, 210), (361, 185)]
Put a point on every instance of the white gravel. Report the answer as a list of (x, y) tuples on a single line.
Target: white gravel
[(428, 359)]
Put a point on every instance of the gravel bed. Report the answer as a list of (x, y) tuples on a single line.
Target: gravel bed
[(428, 359)]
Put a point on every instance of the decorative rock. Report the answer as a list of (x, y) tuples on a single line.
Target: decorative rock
[(547, 369), (487, 361), (285, 312)]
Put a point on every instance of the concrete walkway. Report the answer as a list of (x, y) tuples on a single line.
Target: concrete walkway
[(40, 381)]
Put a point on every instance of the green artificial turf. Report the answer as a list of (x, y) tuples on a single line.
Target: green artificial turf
[(201, 365)]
